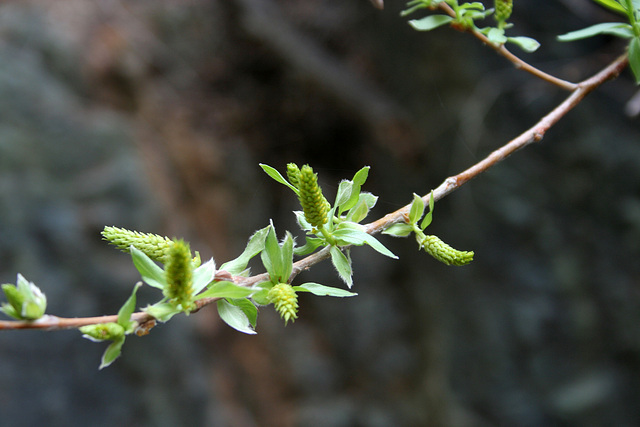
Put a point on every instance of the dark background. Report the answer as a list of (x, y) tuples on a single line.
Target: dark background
[(154, 115)]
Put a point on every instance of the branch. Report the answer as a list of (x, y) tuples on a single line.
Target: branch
[(519, 63), (533, 134)]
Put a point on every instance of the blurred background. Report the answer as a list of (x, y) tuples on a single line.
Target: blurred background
[(154, 114)]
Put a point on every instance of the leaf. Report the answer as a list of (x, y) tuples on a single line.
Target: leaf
[(344, 192), (261, 297), (366, 201), (634, 58), (127, 309), (235, 317), (429, 216), (311, 245), (496, 35), (399, 230), (353, 234), (151, 273), (273, 173), (342, 265), (322, 290), (225, 290), (203, 275), (525, 43), (254, 247), (618, 29), (416, 210), (248, 308), (430, 22), (162, 311), (613, 5), (286, 254), (112, 353)]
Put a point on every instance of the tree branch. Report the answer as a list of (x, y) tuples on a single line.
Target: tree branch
[(533, 134)]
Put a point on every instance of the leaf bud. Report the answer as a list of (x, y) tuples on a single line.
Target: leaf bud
[(102, 331)]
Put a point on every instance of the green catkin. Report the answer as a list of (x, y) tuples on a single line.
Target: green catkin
[(179, 274), (314, 205), (103, 331), (285, 301), (445, 253), (154, 246), (503, 9), (293, 174)]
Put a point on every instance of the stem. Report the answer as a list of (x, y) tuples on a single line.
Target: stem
[(519, 63), (534, 134)]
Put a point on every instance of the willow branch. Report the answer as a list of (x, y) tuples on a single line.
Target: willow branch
[(533, 134), (515, 60)]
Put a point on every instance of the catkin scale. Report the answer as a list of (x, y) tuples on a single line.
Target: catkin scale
[(503, 9), (285, 301)]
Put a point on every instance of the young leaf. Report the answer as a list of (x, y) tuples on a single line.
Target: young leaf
[(344, 192), (235, 317), (525, 43), (225, 290), (634, 58), (127, 309), (366, 201), (272, 255), (162, 311), (358, 180), (248, 308), (618, 29), (399, 230), (254, 247), (430, 22), (613, 5), (151, 273), (273, 173), (203, 275), (350, 233), (311, 245), (112, 353), (342, 265), (416, 210), (429, 216), (322, 290)]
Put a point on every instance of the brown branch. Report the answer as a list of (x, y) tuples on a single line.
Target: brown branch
[(533, 134), (515, 60)]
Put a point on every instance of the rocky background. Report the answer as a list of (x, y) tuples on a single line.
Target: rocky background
[(154, 115)]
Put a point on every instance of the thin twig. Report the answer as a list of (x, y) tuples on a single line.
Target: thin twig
[(533, 134), (515, 60)]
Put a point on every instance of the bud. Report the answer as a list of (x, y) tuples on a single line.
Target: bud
[(445, 253), (285, 301), (102, 331), (314, 205), (152, 245), (179, 273), (26, 300), (503, 9)]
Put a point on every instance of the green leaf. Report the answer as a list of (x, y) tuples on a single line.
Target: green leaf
[(344, 192), (322, 290), (278, 260), (399, 230), (366, 201), (525, 43), (112, 353), (261, 297), (235, 317), (248, 308), (342, 265), (430, 22), (496, 35), (273, 173), (429, 216), (203, 275), (416, 210), (350, 233), (225, 290), (613, 5), (254, 247), (634, 58), (151, 273), (618, 29), (162, 311), (127, 309), (311, 245), (286, 254)]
